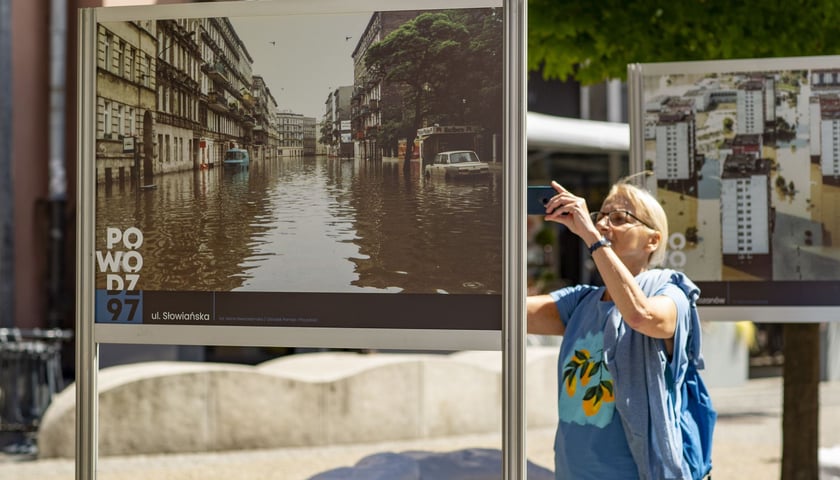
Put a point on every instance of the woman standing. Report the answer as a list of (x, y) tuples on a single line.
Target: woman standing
[(626, 345)]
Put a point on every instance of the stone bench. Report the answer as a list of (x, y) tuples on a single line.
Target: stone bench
[(299, 400)]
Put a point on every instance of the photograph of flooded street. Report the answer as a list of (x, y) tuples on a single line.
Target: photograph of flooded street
[(346, 153)]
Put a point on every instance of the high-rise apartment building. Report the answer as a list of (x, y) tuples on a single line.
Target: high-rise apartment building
[(746, 216)]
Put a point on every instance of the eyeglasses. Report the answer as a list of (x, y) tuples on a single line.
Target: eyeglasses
[(617, 218)]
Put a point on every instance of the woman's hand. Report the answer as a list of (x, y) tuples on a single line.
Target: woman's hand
[(571, 211)]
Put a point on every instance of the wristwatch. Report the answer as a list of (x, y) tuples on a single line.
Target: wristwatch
[(603, 242)]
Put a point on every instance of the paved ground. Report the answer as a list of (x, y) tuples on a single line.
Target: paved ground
[(747, 445)]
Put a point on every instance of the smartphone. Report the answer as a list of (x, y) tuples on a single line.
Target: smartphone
[(538, 197)]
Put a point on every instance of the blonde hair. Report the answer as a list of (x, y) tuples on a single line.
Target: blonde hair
[(649, 210)]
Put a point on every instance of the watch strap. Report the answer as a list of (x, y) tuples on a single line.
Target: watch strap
[(603, 242)]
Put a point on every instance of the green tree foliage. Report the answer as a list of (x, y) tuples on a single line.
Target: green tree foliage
[(478, 79), (448, 65), (417, 56), (595, 41)]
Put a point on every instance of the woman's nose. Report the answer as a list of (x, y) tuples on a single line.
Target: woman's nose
[(602, 224)]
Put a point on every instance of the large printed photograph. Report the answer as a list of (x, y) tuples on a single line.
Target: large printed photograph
[(247, 164), (747, 167)]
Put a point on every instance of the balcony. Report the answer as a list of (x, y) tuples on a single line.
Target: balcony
[(176, 120), (217, 102), (216, 71), (235, 110), (248, 100), (360, 113)]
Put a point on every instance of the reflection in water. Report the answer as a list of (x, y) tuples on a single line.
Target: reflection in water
[(314, 225), (427, 236)]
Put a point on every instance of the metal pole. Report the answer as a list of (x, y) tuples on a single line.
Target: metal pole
[(513, 331), (57, 171), (87, 361), (6, 194)]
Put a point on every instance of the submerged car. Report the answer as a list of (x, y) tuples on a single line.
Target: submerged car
[(237, 157), (457, 164)]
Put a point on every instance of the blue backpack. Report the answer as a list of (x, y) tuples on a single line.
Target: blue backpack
[(697, 422)]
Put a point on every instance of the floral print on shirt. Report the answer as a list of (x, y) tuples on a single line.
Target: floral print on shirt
[(587, 395)]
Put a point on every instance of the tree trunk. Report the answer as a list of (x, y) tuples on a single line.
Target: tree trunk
[(800, 413), (409, 152)]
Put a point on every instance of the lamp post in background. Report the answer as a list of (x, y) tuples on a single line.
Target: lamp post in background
[(172, 44), (130, 146), (148, 123)]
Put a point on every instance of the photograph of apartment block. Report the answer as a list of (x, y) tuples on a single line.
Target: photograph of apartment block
[(369, 96), (745, 214), (825, 148), (747, 166), (676, 166), (175, 95)]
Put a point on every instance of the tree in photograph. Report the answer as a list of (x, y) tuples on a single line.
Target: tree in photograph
[(692, 234), (389, 133), (474, 91), (448, 68), (417, 55), (326, 137)]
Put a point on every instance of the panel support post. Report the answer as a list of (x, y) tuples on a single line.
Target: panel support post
[(513, 330), (87, 364)]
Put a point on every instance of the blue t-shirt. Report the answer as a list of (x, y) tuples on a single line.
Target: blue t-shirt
[(590, 442)]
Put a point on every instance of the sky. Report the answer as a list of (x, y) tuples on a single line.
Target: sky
[(302, 57)]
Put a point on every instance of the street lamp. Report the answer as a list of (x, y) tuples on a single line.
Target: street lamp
[(147, 173), (172, 43)]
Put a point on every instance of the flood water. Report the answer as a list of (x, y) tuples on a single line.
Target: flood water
[(313, 224)]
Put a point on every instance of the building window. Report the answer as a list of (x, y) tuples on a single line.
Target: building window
[(149, 73), (109, 40), (160, 148), (121, 59), (106, 119), (129, 57), (132, 122), (119, 119)]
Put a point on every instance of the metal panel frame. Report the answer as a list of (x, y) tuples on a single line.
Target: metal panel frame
[(87, 350), (512, 337), (514, 418)]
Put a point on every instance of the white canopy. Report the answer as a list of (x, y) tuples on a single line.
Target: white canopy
[(562, 134)]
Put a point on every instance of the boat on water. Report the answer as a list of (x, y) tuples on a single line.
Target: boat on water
[(237, 157)]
